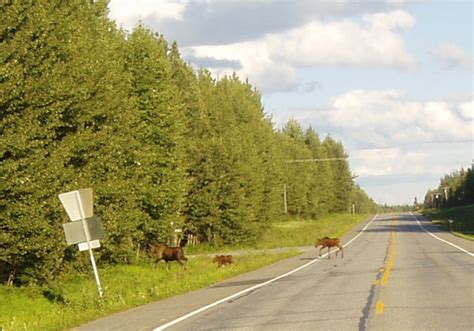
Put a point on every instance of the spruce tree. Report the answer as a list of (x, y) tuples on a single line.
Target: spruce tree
[(318, 196), (59, 94), (341, 175), (297, 171), (157, 131)]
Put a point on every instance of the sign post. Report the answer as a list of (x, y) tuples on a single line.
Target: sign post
[(79, 206)]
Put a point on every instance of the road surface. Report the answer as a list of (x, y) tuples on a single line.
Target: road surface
[(399, 273)]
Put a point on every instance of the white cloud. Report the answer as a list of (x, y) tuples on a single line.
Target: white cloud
[(391, 20), (346, 43), (467, 110), (271, 63), (389, 117), (217, 22), (128, 14), (452, 56), (389, 161), (255, 64)]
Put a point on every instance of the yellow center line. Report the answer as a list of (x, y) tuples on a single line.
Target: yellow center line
[(379, 307), (391, 257), (385, 271)]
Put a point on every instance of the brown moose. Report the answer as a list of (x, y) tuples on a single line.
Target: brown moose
[(330, 242), (168, 254), (223, 260)]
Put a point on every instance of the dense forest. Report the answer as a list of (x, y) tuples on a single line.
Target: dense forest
[(455, 189), (84, 104)]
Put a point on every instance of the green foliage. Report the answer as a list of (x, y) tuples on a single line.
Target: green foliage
[(463, 219), (83, 104), (296, 173), (28, 308), (341, 176), (317, 175), (59, 97), (232, 166), (455, 189), (157, 131)]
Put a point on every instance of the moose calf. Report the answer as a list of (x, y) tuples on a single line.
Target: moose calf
[(223, 260), (330, 242)]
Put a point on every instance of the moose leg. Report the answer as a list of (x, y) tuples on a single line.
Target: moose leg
[(329, 252), (183, 264), (157, 262), (320, 250), (340, 250)]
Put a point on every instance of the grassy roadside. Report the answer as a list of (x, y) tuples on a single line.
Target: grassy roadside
[(463, 218), (74, 300), (304, 232)]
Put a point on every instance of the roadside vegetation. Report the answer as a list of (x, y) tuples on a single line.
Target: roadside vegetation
[(305, 232), (166, 149), (73, 298), (463, 220), (453, 199)]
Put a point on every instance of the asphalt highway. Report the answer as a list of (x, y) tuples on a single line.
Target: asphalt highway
[(398, 273)]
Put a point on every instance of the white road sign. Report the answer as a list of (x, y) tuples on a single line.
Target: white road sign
[(85, 247), (73, 201)]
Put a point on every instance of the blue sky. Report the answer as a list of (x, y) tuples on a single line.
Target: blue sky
[(393, 81)]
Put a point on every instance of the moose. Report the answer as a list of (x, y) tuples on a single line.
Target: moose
[(223, 260), (330, 242), (168, 254)]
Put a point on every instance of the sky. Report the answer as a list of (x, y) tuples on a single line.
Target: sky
[(391, 80)]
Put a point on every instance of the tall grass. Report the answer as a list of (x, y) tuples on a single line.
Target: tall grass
[(125, 286), (74, 298), (305, 232), (295, 232)]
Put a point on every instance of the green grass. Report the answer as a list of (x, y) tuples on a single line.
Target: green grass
[(305, 232), (463, 218), (127, 286)]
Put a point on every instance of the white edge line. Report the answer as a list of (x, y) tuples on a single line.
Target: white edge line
[(436, 237), (197, 311)]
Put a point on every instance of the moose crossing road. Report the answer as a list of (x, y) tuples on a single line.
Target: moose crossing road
[(398, 273)]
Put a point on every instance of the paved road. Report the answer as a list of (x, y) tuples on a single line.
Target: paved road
[(394, 276)]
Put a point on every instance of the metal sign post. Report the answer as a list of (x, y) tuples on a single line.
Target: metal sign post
[(450, 225), (74, 204)]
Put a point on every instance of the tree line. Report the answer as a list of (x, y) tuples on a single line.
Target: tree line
[(454, 189), (85, 104)]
